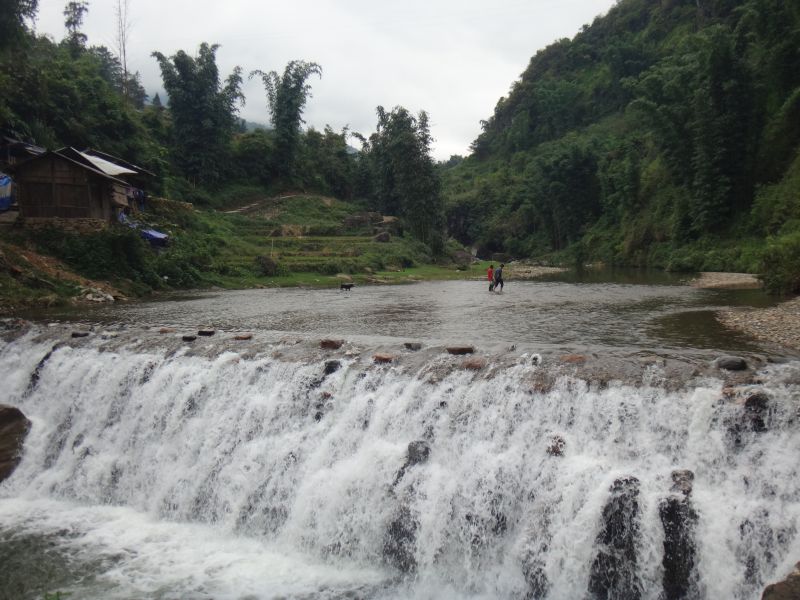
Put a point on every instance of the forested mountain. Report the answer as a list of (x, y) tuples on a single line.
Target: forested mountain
[(666, 133)]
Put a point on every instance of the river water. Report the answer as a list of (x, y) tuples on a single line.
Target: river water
[(269, 468)]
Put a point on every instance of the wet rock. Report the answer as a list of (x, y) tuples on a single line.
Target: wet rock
[(37, 372), (679, 520), (682, 481), (788, 589), (331, 367), (206, 332), (535, 577), (418, 453), (382, 358), (556, 446), (80, 334), (572, 359), (413, 346), (399, 544), (189, 338), (752, 419), (756, 408), (243, 337), (331, 344), (14, 427), (460, 350), (731, 363), (164, 330), (474, 364), (614, 570)]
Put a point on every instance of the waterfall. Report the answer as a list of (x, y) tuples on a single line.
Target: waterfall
[(405, 480)]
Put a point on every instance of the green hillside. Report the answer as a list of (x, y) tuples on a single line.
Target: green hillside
[(664, 134)]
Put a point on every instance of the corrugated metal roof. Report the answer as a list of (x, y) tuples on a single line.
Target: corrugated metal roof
[(105, 166)]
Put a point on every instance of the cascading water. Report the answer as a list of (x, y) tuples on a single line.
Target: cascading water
[(173, 474)]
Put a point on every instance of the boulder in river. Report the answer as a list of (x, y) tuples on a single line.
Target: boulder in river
[(399, 543), (788, 589), (731, 363), (189, 338), (460, 350), (418, 453), (474, 364), (413, 346), (614, 570), (206, 332), (332, 366), (751, 419), (679, 520), (329, 344), (382, 358), (14, 427), (243, 337)]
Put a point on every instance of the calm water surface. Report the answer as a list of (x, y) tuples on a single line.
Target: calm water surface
[(626, 309)]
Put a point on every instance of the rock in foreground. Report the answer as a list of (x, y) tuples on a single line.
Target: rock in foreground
[(14, 428), (788, 589)]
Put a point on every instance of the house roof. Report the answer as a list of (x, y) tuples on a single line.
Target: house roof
[(107, 167), (118, 161), (73, 156)]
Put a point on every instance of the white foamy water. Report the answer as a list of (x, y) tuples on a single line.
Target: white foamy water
[(253, 477)]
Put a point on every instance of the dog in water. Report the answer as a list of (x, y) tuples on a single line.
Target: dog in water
[(346, 286)]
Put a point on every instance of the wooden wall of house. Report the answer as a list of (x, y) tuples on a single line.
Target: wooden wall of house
[(52, 187)]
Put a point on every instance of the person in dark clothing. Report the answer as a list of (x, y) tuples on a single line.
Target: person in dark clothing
[(498, 278)]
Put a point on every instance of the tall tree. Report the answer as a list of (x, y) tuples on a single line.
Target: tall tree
[(287, 95), (203, 111), (406, 182), (74, 13), (123, 29)]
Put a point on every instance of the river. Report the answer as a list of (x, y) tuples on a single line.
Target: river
[(271, 468)]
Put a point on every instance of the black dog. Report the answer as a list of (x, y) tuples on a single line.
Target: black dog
[(346, 287)]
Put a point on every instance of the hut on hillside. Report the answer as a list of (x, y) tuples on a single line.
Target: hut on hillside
[(77, 190)]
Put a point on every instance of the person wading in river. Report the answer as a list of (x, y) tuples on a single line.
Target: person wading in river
[(498, 278), (490, 276)]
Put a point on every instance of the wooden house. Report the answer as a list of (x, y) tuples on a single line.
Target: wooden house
[(67, 186)]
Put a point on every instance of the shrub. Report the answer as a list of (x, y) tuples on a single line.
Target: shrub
[(269, 267), (780, 264)]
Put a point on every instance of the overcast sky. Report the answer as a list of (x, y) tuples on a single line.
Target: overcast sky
[(451, 58)]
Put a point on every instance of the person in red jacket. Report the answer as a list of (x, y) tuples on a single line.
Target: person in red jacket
[(490, 276)]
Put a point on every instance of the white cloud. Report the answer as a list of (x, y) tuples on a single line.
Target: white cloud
[(454, 59)]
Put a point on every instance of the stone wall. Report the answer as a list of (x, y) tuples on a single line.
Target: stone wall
[(84, 225)]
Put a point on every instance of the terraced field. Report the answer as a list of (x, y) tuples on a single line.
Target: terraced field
[(302, 238)]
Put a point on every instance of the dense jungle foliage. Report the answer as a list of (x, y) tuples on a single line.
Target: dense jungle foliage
[(665, 134)]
